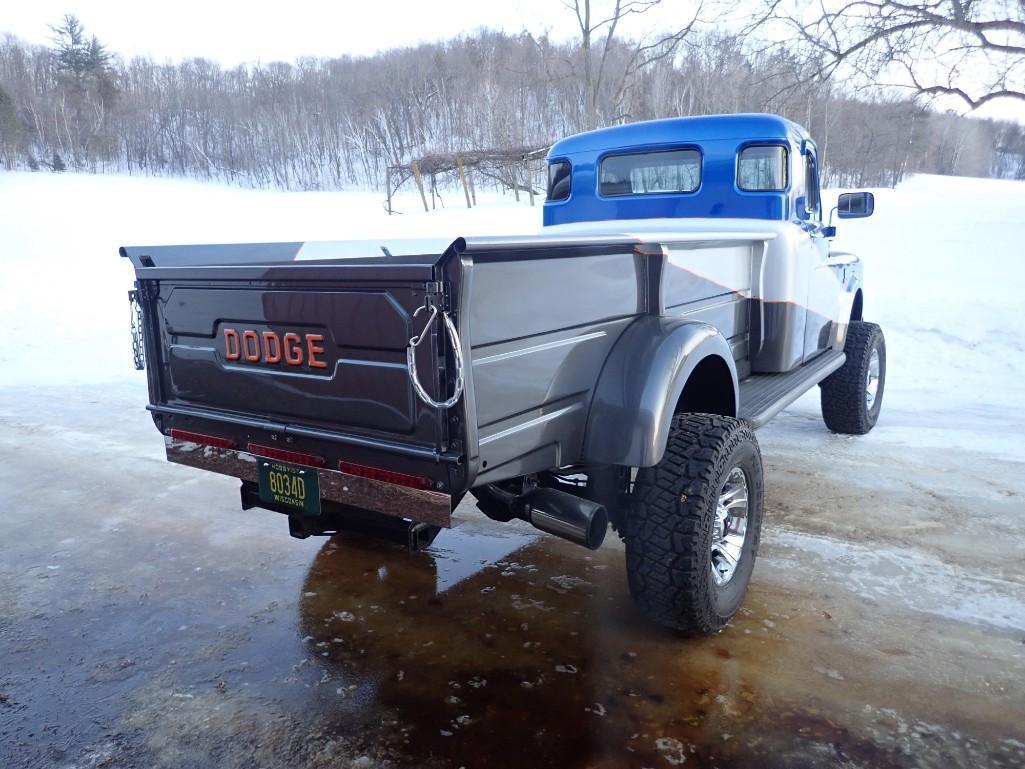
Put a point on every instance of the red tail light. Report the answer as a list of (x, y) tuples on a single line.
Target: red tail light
[(295, 457), (388, 476), (206, 440)]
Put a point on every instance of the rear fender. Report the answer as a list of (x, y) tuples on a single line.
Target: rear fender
[(640, 385)]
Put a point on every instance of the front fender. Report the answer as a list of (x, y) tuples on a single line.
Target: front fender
[(848, 269), (640, 385)]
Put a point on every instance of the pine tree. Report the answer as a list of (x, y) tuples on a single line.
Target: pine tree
[(78, 56), (57, 164), (12, 132)]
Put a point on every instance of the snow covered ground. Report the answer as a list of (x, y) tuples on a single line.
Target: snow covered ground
[(59, 240), (945, 276)]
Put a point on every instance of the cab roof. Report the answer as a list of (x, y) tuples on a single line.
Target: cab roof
[(673, 130)]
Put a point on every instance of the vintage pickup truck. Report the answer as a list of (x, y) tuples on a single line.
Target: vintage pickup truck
[(609, 370)]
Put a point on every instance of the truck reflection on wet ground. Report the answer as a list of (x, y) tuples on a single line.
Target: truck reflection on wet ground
[(539, 659), (151, 641)]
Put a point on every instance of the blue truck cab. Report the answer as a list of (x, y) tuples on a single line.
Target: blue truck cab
[(753, 166)]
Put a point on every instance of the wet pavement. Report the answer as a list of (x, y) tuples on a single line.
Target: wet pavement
[(146, 621)]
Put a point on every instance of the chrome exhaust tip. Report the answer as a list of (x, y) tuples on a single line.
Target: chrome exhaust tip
[(573, 518)]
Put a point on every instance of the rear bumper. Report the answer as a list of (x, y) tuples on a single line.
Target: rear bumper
[(431, 507)]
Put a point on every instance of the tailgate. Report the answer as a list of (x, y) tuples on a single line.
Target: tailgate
[(252, 337)]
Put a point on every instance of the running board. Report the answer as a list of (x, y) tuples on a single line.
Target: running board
[(762, 396)]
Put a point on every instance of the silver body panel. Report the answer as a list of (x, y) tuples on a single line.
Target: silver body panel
[(578, 357)]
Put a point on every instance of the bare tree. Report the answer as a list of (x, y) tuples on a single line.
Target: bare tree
[(329, 123), (598, 23), (972, 50)]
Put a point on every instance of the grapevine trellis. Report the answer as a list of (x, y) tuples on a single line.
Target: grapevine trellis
[(519, 169)]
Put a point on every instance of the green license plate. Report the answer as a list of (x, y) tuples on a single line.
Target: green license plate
[(291, 486)]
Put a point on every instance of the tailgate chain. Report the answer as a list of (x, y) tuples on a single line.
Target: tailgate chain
[(457, 350), (138, 347)]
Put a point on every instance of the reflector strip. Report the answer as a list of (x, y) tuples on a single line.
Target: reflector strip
[(295, 457), (206, 440), (388, 476)]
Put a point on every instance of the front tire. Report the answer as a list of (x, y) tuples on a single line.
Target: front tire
[(853, 394), (693, 526)]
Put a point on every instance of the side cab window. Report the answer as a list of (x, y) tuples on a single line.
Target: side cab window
[(812, 203), (560, 179)]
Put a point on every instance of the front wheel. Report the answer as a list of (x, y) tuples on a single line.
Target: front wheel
[(693, 526), (853, 394)]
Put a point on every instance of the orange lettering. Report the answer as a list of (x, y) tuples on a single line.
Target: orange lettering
[(252, 354), (313, 348), (231, 348), (293, 350), (271, 341)]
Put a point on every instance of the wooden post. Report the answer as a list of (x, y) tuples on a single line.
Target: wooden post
[(420, 184), (387, 185), (462, 175), (530, 181)]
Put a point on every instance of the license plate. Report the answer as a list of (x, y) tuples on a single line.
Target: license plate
[(291, 486)]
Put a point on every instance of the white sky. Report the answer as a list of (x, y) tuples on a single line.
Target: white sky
[(231, 31), (234, 31)]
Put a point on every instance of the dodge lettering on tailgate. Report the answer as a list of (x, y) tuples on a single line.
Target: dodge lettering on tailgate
[(271, 347)]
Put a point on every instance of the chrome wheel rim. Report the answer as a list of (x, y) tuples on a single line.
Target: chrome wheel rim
[(730, 527), (872, 382)]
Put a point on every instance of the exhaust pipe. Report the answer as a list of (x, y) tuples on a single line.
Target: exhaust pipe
[(574, 518)]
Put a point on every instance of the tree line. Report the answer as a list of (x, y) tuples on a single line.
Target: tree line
[(333, 123)]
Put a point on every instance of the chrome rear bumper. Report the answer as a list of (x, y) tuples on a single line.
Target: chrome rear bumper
[(431, 507)]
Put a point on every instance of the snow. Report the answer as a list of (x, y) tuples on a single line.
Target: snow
[(944, 268), (945, 277), (63, 295), (898, 576)]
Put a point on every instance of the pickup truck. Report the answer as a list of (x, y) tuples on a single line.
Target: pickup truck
[(608, 371)]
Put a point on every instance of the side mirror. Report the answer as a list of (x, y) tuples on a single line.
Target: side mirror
[(855, 205)]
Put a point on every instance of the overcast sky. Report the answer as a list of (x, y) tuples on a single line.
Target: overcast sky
[(231, 31)]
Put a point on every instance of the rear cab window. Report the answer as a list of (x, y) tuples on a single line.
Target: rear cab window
[(650, 173), (763, 168)]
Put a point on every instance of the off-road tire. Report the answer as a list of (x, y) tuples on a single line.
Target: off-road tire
[(844, 406), (669, 524)]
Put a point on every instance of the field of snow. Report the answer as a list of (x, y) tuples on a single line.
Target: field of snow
[(945, 276)]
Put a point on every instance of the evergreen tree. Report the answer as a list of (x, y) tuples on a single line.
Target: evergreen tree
[(77, 55), (57, 164), (10, 130)]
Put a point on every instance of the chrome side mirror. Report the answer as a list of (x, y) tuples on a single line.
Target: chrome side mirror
[(855, 205)]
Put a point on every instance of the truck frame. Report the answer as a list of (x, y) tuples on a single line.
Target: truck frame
[(608, 371)]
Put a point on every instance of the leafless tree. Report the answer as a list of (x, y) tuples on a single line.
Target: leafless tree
[(599, 23), (971, 50), (332, 123)]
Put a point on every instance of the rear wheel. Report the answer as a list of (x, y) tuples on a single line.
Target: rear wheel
[(853, 394), (693, 526)]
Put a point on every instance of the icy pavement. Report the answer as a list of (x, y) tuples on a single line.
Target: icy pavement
[(146, 621)]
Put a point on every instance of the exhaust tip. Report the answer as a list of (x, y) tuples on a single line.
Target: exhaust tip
[(598, 528), (576, 519)]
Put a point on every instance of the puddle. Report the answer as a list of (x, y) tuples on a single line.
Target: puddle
[(538, 659), (497, 648)]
